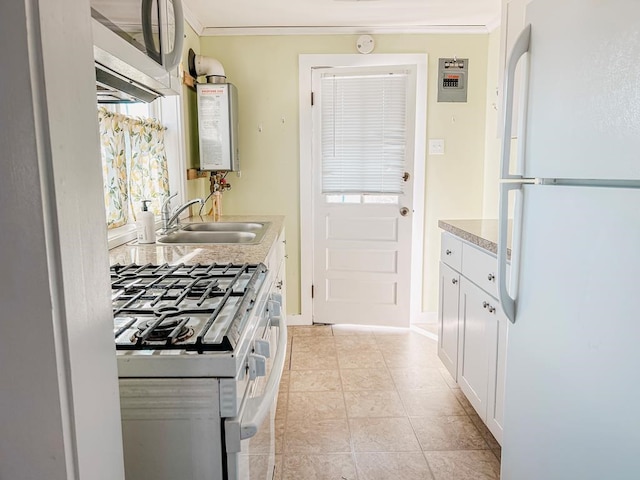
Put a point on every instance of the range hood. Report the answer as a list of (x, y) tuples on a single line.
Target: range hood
[(124, 74), (111, 87)]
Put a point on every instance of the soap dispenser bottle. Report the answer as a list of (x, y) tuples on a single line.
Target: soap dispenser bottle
[(146, 224)]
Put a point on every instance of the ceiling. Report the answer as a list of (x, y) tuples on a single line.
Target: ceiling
[(366, 16)]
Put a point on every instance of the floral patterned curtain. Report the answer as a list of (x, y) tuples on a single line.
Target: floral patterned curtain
[(134, 165), (114, 168), (148, 175)]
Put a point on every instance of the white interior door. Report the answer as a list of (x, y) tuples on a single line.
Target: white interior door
[(363, 151)]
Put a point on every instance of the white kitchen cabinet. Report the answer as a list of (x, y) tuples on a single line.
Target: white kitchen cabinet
[(483, 345), (473, 345), (472, 333), (480, 267), (451, 251), (448, 318), (497, 327)]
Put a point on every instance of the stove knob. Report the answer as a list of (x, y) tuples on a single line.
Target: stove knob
[(257, 365), (274, 307), (276, 297), (262, 347)]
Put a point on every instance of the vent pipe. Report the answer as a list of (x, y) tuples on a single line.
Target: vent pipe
[(212, 69)]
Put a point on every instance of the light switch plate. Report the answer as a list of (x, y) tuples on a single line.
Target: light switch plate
[(436, 146)]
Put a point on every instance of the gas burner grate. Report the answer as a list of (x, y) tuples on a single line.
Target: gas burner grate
[(168, 329), (196, 308)]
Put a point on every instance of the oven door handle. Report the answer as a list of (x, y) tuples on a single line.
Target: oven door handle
[(254, 411)]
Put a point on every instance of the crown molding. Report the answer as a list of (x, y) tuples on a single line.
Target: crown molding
[(192, 20), (401, 29), (494, 23)]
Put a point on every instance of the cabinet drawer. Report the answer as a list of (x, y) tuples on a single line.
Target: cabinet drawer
[(480, 267), (451, 251)]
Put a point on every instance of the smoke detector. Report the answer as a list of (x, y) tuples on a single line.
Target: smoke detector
[(365, 44)]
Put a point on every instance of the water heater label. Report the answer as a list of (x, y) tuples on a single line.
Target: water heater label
[(214, 127)]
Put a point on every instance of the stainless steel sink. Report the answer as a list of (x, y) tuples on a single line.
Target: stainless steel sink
[(185, 237), (217, 232), (225, 227)]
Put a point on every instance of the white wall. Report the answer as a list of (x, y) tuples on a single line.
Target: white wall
[(59, 405)]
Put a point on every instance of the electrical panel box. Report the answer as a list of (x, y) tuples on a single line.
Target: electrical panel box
[(452, 79), (218, 126)]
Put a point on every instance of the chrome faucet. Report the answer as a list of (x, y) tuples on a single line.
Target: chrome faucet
[(169, 219), (166, 211)]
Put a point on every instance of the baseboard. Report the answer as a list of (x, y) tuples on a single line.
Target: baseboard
[(424, 333), (297, 320)]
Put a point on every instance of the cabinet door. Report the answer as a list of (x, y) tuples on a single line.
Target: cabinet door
[(498, 328), (448, 318), (473, 345)]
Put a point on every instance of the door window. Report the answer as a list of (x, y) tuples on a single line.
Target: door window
[(364, 136)]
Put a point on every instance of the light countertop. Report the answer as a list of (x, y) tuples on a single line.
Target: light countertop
[(482, 233), (205, 254)]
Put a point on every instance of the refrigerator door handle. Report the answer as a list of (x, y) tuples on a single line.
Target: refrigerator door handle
[(507, 301), (520, 47)]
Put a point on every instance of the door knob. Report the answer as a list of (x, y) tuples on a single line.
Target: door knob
[(404, 211)]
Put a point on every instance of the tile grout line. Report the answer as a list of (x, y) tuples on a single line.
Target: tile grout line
[(346, 412), (394, 383)]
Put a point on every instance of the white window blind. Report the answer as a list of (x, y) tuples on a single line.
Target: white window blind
[(363, 133)]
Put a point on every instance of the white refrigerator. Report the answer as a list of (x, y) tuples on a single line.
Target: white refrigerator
[(572, 387)]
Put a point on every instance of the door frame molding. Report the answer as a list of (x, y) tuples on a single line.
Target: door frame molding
[(306, 64)]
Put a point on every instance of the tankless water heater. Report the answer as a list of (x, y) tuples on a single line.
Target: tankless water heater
[(218, 126)]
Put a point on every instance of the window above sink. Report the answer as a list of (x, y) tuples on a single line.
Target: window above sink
[(167, 111)]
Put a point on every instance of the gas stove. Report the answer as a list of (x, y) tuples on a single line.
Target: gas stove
[(195, 308), (186, 320), (200, 352)]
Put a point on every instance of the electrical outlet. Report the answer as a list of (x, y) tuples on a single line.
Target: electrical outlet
[(436, 146)]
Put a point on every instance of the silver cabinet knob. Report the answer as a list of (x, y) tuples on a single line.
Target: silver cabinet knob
[(491, 277), (404, 211), (492, 309), (448, 252), (485, 304), (454, 280)]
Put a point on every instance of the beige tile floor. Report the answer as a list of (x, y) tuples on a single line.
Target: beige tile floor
[(369, 404)]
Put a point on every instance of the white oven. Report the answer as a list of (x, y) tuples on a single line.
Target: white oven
[(194, 414), (250, 436)]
